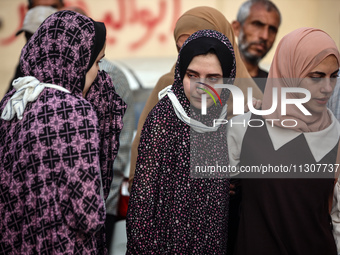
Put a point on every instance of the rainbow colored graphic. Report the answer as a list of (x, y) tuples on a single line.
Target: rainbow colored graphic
[(209, 93)]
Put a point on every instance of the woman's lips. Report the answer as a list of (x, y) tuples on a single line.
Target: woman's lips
[(322, 101), (198, 99)]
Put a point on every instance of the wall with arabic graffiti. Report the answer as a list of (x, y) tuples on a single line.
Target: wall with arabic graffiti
[(120, 16), (144, 28)]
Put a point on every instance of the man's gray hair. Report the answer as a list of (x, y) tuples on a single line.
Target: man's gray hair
[(244, 10)]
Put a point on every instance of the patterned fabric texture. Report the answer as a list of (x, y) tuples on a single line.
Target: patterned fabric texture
[(51, 193), (110, 109), (170, 212), (122, 88)]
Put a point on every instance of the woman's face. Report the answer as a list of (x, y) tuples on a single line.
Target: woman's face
[(93, 72), (321, 82), (204, 69)]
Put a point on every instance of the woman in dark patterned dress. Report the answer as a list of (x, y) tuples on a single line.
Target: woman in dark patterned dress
[(56, 147), (285, 205), (173, 209)]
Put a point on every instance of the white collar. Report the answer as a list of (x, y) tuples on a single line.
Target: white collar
[(320, 143)]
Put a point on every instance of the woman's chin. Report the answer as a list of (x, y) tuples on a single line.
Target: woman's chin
[(198, 105)]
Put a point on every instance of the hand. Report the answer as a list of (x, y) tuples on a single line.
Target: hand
[(232, 189), (257, 103)]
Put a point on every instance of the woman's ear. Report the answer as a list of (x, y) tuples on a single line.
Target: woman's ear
[(236, 27)]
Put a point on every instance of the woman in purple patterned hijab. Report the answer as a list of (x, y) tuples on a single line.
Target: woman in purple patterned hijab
[(56, 147), (176, 206)]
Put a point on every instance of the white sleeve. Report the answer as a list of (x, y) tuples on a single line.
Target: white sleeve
[(236, 129), (335, 214)]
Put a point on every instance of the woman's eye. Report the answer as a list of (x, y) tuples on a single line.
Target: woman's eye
[(213, 79), (316, 79), (192, 76)]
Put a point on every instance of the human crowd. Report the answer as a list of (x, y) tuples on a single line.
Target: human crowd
[(67, 124)]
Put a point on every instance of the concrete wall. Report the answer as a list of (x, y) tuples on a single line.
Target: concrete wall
[(143, 28)]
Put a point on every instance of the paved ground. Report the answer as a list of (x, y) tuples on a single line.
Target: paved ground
[(119, 239)]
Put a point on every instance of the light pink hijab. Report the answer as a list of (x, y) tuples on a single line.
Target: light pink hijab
[(297, 54)]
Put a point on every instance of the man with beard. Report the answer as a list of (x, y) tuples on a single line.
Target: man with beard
[(256, 28)]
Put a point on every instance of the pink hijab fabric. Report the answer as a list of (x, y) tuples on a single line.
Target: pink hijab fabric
[(296, 55)]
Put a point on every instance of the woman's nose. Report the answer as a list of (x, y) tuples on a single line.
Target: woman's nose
[(200, 88), (328, 85)]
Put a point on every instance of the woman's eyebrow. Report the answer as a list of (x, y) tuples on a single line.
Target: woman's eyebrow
[(322, 73), (335, 72), (192, 71), (214, 74), (317, 72), (210, 74)]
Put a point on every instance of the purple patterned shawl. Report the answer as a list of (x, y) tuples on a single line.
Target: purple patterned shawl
[(50, 186), (169, 211), (110, 109)]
